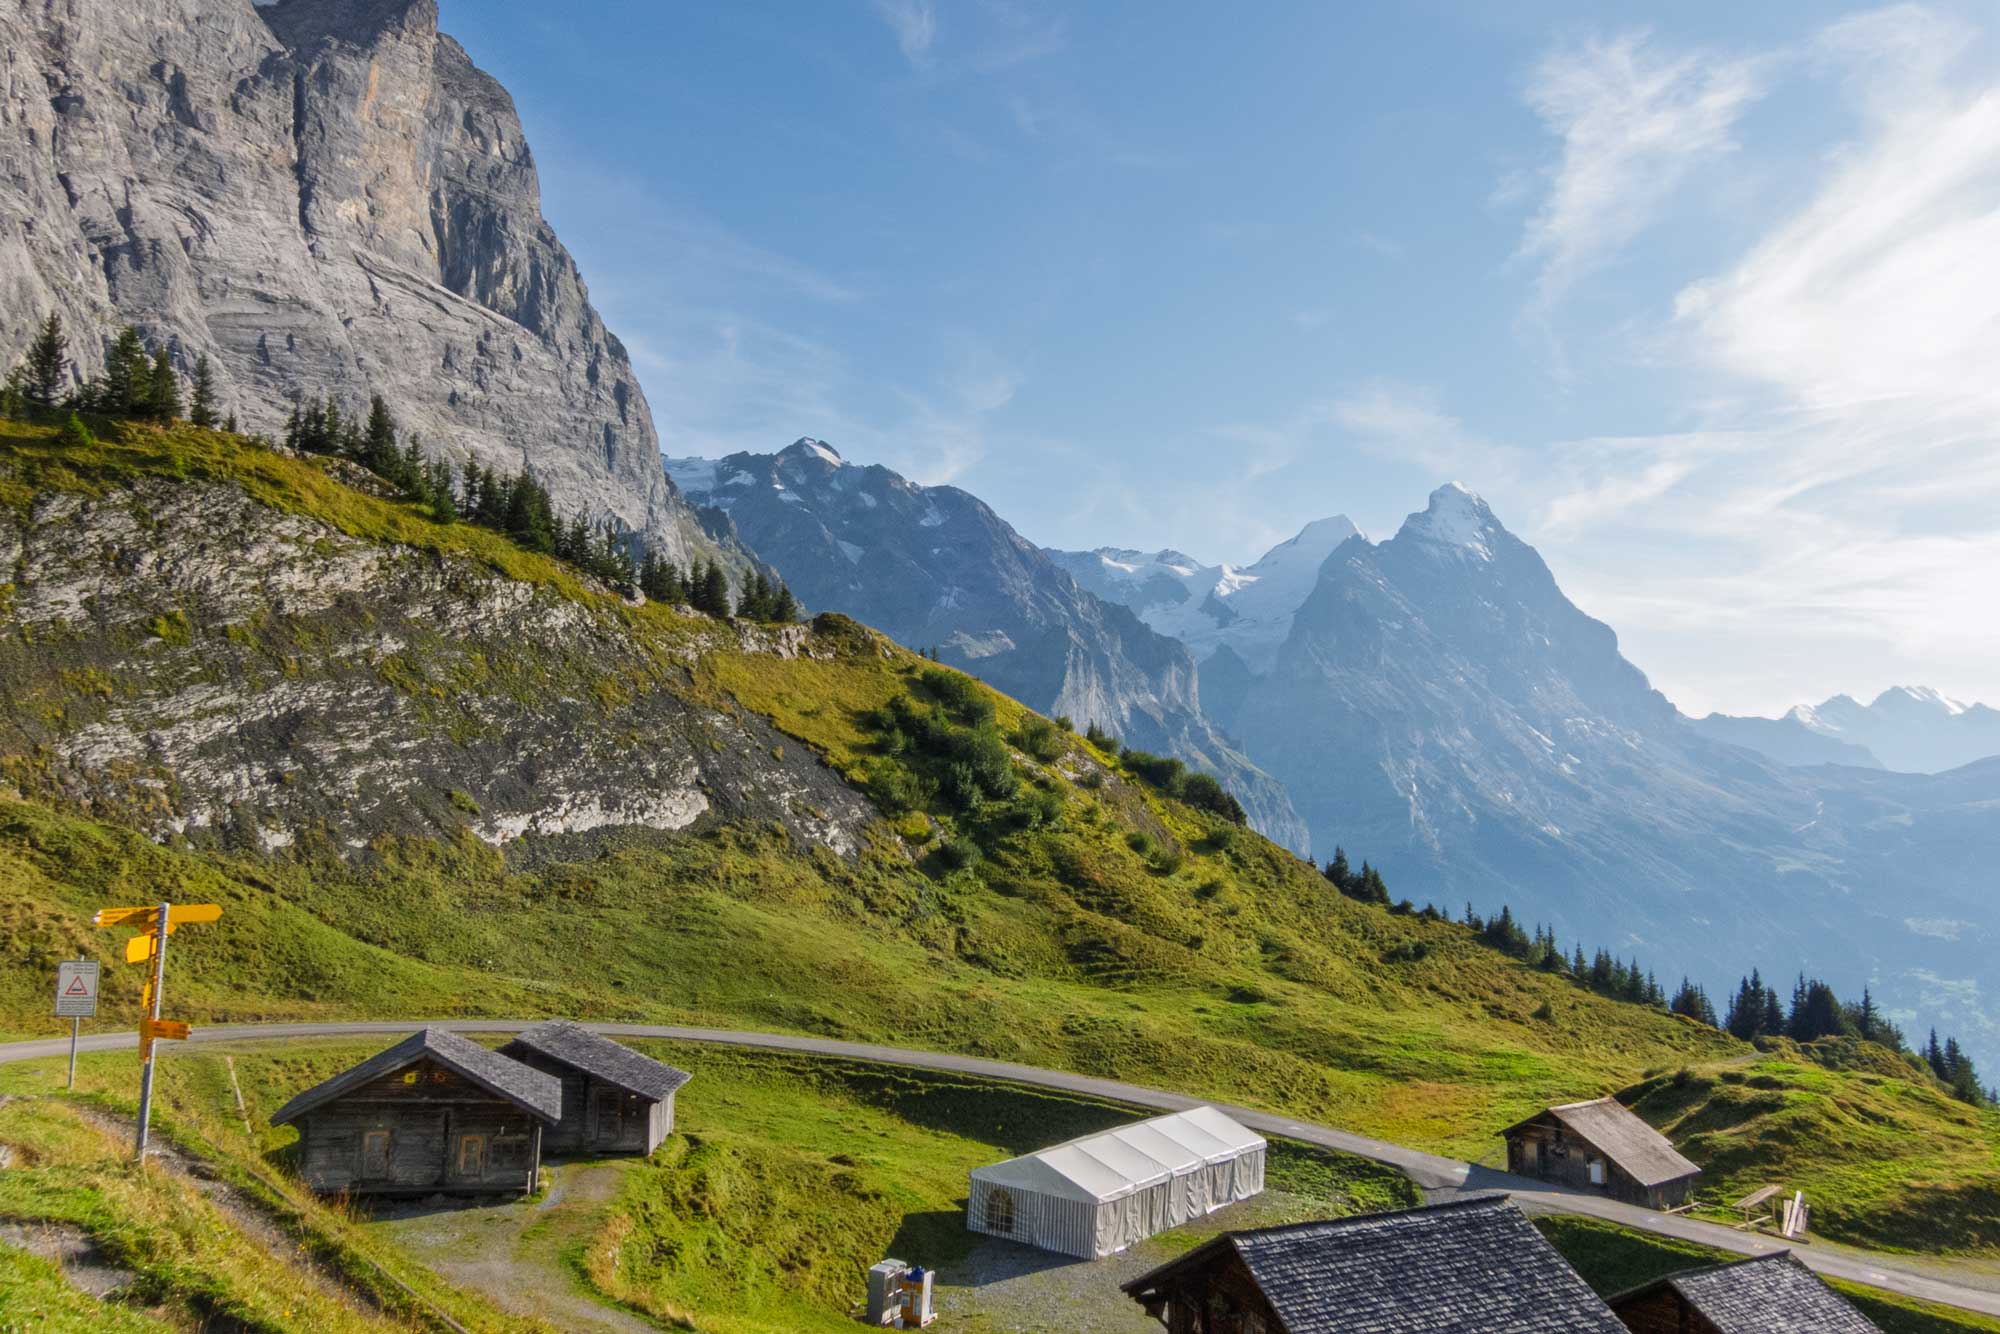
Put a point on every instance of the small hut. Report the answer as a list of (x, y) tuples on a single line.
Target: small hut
[(1094, 1196), (1475, 1264), (1601, 1146), (613, 1099), (435, 1112), (1772, 1294)]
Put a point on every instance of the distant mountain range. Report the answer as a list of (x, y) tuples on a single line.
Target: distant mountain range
[(935, 568), (1911, 729), (1435, 703)]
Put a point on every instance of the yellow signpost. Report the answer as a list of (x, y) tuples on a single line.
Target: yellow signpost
[(150, 947)]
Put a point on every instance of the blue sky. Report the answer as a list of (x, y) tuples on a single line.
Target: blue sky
[(1706, 308)]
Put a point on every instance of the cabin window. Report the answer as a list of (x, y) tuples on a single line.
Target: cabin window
[(472, 1155), (374, 1155), (1596, 1171), (1000, 1212), (510, 1154)]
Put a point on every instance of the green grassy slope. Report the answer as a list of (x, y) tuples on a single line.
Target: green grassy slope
[(1891, 1160), (785, 1180), (1082, 921)]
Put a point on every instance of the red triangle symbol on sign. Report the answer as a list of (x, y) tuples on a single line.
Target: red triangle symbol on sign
[(77, 987)]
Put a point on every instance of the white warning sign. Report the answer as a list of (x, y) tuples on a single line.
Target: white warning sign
[(76, 989)]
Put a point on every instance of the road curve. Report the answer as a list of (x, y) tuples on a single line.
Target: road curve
[(1439, 1176)]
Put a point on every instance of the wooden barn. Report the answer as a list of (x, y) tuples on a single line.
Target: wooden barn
[(1601, 1146), (434, 1113), (1772, 1294), (613, 1099), (1475, 1264)]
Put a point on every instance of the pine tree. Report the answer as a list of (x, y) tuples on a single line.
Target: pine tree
[(416, 478), (46, 366), (163, 388), (754, 604), (75, 435), (229, 424), (444, 502), (201, 407), (1338, 873), (715, 593), (127, 382), (784, 607), (378, 440), (1867, 1019)]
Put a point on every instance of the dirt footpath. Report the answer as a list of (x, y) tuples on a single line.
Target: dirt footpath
[(511, 1253)]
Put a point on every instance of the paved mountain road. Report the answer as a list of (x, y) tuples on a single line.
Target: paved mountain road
[(1952, 1284)]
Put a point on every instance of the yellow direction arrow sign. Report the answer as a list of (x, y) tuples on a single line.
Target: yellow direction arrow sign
[(146, 920), (163, 1028), (141, 949)]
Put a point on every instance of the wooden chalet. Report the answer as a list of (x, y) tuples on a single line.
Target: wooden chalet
[(613, 1099), (434, 1113), (1772, 1294), (1601, 1146), (1474, 1264)]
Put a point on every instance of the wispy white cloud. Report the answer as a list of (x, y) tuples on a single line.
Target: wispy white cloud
[(1824, 523), (1633, 121), (914, 24)]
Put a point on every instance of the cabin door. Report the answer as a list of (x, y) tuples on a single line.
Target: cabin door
[(375, 1155), (471, 1157), (607, 1115), (1531, 1157)]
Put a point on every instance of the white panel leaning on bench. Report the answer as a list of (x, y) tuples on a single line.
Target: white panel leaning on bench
[(1096, 1195)]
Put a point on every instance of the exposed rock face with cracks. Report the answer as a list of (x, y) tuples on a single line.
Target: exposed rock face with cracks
[(189, 660), (322, 196)]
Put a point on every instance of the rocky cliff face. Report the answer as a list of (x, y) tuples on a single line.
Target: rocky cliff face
[(934, 567), (185, 659), (322, 196)]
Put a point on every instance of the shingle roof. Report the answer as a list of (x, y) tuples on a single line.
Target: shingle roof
[(1619, 1134), (1469, 1267), (528, 1089), (594, 1054), (1772, 1294)]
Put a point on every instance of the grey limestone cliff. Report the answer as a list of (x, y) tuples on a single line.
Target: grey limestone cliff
[(322, 196)]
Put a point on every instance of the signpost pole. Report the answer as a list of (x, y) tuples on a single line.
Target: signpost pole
[(76, 1000), (159, 981)]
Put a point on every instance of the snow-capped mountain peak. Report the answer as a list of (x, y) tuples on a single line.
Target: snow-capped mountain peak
[(805, 447), (1457, 519), (1246, 608), (1913, 729), (1918, 699)]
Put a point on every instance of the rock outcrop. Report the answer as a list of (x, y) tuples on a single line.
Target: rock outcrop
[(323, 196), (187, 660)]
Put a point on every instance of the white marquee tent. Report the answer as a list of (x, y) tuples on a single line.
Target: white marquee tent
[(1095, 1196)]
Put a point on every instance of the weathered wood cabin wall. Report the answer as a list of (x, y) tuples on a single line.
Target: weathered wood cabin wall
[(1663, 1312), (1547, 1150), (598, 1116), (1219, 1296), (420, 1129)]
